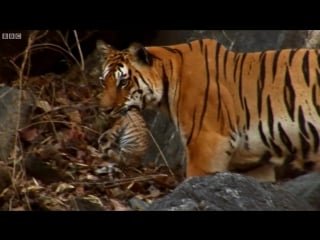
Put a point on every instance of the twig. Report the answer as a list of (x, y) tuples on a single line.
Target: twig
[(161, 153), (79, 49), (227, 37)]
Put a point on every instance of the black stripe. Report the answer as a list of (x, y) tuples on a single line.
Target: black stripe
[(316, 138), (144, 101), (290, 158), (309, 166), (237, 57), (201, 45), (285, 138), (240, 79), (275, 63), (247, 113), (145, 82), (190, 46), (172, 50), (206, 95), (225, 64), (314, 99), (169, 49), (289, 95), (270, 116), (305, 146), (153, 57), (246, 143), (171, 68), (230, 122), (232, 137), (318, 76), (265, 158), (263, 69), (119, 69), (302, 122), (165, 96), (261, 81), (276, 148), (217, 58), (262, 135), (291, 55), (192, 127), (230, 143), (136, 81), (305, 68), (262, 55)]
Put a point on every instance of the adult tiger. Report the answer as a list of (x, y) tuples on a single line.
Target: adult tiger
[(234, 111)]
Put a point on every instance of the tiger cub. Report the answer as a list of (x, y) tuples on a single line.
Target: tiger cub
[(126, 141)]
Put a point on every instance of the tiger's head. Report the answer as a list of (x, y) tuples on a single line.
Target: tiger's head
[(129, 78)]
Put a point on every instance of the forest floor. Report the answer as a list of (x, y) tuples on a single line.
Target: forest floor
[(55, 163)]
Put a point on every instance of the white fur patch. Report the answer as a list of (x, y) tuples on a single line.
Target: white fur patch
[(106, 71)]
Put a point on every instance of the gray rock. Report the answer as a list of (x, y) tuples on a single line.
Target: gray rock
[(5, 177), (11, 117), (165, 146), (238, 40), (306, 187), (230, 192)]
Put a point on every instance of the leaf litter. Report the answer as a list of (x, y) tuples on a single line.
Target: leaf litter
[(61, 168)]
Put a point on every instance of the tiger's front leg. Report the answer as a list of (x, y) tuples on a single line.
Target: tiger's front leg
[(207, 154)]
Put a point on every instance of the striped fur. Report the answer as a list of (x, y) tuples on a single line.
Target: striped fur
[(235, 111), (126, 141)]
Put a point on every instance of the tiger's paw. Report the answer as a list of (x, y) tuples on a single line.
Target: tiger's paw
[(109, 169)]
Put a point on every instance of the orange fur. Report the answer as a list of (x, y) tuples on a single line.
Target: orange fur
[(233, 110)]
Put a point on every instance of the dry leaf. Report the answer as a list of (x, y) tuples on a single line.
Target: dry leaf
[(44, 105), (154, 192), (63, 101), (118, 206), (80, 191), (91, 177), (31, 189), (93, 199), (63, 187), (29, 134), (74, 116)]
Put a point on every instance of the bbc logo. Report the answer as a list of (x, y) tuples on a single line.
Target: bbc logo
[(11, 36)]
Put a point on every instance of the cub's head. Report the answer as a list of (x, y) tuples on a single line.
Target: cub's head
[(129, 78)]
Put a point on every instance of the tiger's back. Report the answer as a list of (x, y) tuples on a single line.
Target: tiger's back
[(234, 111)]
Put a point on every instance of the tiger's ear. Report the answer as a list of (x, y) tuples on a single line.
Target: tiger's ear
[(140, 53), (103, 48)]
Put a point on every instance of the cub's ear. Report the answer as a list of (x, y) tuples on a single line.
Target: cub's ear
[(103, 48), (140, 53)]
